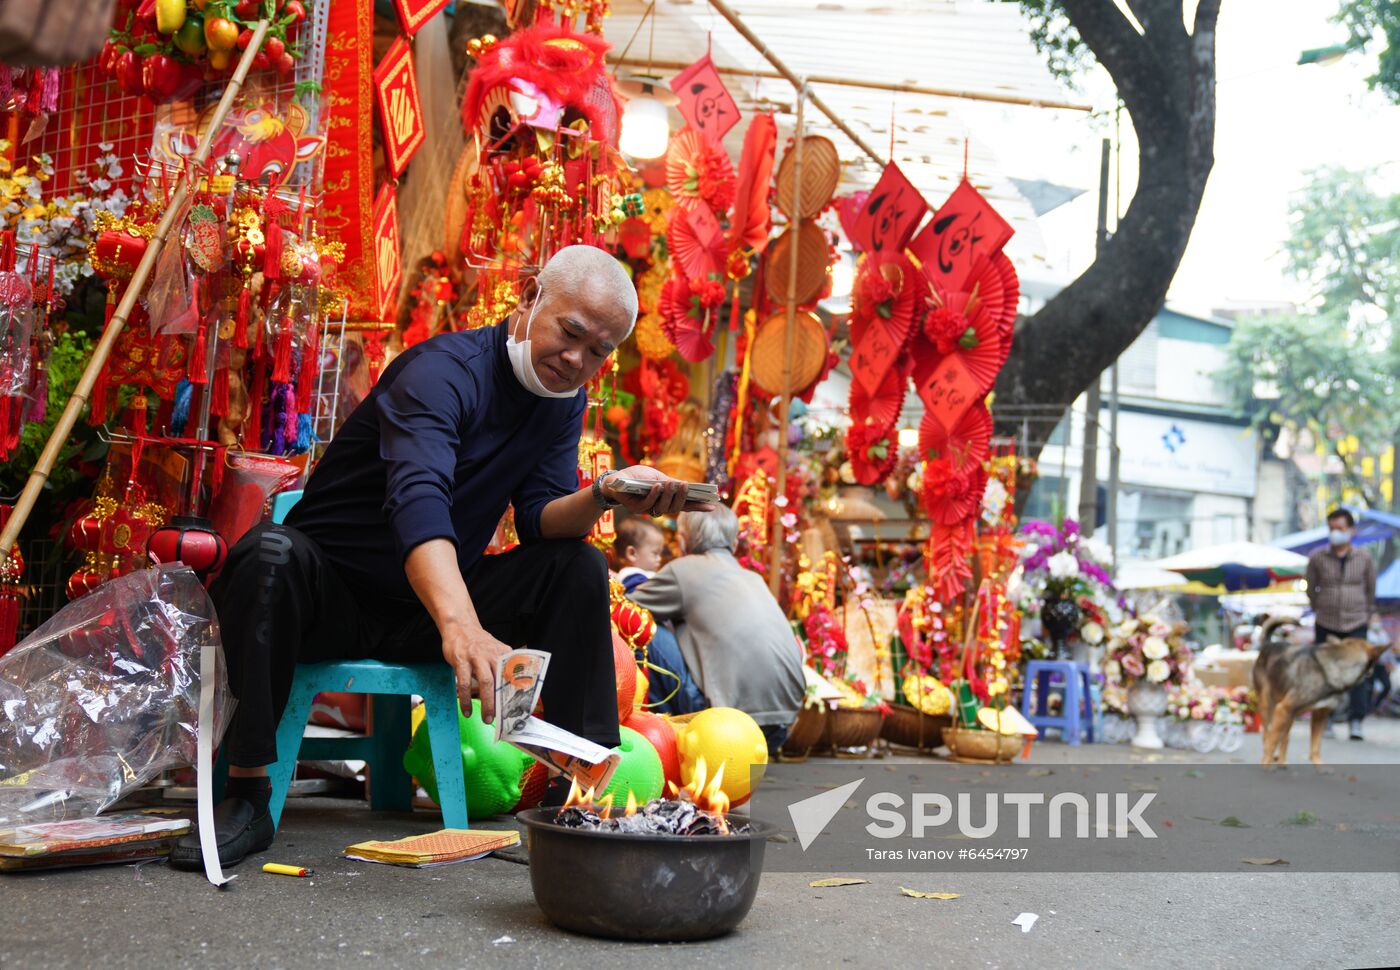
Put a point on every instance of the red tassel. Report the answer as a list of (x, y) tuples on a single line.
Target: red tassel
[(218, 392), (216, 472), (265, 294), (252, 424), (272, 250), (282, 354), (136, 414), (195, 369), (98, 412), (240, 326), (4, 426), (9, 615), (310, 358)]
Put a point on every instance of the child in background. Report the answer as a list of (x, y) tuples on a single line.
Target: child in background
[(637, 551)]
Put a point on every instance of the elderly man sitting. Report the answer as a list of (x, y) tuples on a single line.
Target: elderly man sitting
[(383, 555), (734, 637)]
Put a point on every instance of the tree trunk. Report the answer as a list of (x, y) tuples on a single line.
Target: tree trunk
[(1166, 78)]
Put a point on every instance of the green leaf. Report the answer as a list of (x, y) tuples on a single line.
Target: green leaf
[(886, 309), (968, 340)]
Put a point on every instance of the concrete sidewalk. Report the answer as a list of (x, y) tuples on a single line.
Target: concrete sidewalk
[(352, 914)]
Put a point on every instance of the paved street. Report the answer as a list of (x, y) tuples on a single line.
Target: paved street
[(353, 914)]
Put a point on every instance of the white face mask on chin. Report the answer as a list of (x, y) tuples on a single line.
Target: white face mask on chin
[(523, 364)]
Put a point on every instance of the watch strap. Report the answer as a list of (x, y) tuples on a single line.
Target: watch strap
[(599, 496)]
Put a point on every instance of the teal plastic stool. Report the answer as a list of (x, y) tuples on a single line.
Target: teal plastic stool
[(390, 787)]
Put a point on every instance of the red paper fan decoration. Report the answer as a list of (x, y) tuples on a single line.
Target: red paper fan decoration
[(751, 220), (886, 295), (947, 560), (955, 475), (697, 255), (976, 339), (881, 408), (678, 305), (969, 444), (1000, 267), (698, 169)]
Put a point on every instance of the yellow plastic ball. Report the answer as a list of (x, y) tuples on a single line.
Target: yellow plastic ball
[(723, 736), (643, 684)]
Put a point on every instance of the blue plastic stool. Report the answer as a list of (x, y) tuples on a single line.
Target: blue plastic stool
[(390, 787), (1076, 715)]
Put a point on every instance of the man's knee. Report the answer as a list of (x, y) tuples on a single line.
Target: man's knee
[(262, 567)]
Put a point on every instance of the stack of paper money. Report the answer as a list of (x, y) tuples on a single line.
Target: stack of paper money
[(434, 849)]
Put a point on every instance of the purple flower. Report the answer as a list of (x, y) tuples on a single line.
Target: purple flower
[(1095, 572)]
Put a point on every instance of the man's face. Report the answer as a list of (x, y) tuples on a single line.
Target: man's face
[(572, 333), (1337, 527)]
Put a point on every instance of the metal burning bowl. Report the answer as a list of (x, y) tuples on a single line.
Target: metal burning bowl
[(644, 887)]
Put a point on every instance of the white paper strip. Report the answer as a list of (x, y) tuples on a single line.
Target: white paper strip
[(204, 768)]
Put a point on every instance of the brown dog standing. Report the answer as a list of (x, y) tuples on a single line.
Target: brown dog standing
[(1291, 678)]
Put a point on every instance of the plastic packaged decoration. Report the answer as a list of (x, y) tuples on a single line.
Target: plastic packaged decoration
[(105, 696)]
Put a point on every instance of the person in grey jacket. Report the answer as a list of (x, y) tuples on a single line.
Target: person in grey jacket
[(733, 635)]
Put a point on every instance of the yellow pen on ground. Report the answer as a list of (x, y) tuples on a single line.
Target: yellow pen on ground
[(277, 869)]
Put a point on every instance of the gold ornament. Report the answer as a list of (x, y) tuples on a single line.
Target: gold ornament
[(652, 342)]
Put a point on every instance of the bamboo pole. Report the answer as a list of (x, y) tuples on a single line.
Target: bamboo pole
[(724, 10), (776, 543), (869, 85), (81, 394)]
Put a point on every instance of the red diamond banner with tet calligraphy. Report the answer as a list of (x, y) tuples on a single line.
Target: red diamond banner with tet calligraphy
[(388, 270), (400, 115), (413, 14)]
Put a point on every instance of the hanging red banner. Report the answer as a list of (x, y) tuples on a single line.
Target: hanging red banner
[(348, 190), (413, 14), (388, 269), (873, 356), (948, 391), (706, 103), (965, 232), (889, 215), (400, 115)]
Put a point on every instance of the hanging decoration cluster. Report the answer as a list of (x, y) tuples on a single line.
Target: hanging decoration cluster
[(937, 308)]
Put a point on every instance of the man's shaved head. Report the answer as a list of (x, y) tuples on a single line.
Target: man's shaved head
[(575, 268)]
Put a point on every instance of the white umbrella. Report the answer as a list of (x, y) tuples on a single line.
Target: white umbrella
[(1144, 575)]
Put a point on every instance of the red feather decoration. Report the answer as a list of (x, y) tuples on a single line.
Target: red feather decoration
[(751, 220)]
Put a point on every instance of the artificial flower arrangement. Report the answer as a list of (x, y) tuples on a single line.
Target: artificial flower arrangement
[(1061, 563), (1146, 648), (1194, 701), (855, 695)]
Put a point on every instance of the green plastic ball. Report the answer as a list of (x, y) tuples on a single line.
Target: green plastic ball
[(639, 771), (492, 768)]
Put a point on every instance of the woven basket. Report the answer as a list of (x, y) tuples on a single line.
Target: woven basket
[(853, 731), (910, 728), (806, 732), (809, 349), (970, 744), (821, 172), (813, 260)]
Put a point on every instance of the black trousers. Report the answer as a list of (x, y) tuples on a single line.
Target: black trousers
[(281, 603), (1359, 700)]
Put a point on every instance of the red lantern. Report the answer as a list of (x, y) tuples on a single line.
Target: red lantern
[(84, 581), (633, 623), (192, 540), (86, 532), (117, 252)]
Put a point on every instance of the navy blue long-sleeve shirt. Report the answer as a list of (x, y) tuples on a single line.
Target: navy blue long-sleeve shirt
[(443, 442)]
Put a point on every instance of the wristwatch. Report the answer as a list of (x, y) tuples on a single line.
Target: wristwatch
[(600, 496)]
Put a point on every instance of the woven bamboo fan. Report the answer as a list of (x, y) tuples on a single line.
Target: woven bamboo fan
[(821, 171), (813, 258), (809, 348), (457, 205)]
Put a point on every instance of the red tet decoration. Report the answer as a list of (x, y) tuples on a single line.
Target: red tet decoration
[(400, 114), (413, 14), (890, 215), (706, 103), (388, 270), (960, 238), (192, 540)]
